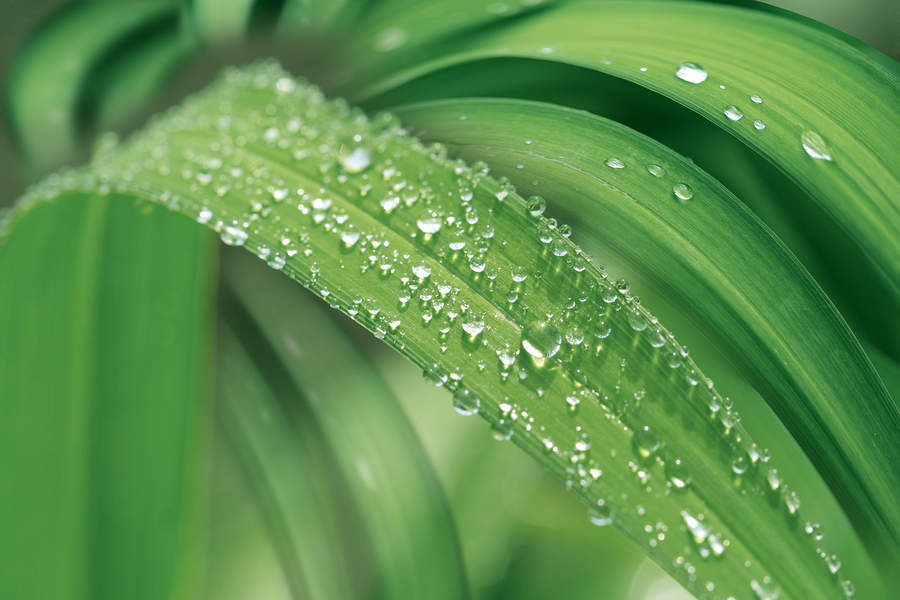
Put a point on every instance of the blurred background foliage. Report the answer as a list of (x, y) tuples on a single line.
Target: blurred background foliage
[(522, 536)]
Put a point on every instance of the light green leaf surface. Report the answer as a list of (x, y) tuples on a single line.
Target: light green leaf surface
[(717, 262), (106, 451), (523, 329)]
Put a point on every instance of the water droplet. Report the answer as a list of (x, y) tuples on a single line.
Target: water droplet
[(678, 474), (646, 444), (759, 124), (501, 431), (791, 500), (466, 403), (683, 191), (733, 113), (356, 161), (541, 340), (350, 237), (574, 335), (698, 528), (614, 163), (601, 516), (429, 222), (205, 215), (691, 72), (849, 588), (536, 206), (234, 236), (815, 146), (422, 270), (656, 170), (277, 261), (739, 465), (473, 325), (833, 562), (756, 98), (774, 478), (765, 589)]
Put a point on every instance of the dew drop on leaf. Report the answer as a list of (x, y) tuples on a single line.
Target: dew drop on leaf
[(356, 161), (656, 170), (759, 124), (234, 236), (815, 146), (683, 191), (615, 163), (691, 72), (601, 515), (536, 206), (541, 340), (766, 589), (733, 113)]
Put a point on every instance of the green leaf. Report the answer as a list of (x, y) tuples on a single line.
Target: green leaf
[(456, 271), (714, 260), (104, 345)]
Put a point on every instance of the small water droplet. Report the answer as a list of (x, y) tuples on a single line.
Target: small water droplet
[(536, 206), (466, 403), (422, 270), (601, 515), (765, 589), (691, 72), (473, 325), (815, 146), (614, 163), (733, 113), (683, 191), (833, 562), (756, 98), (277, 261), (849, 588), (501, 431), (774, 478), (656, 170), (205, 215), (759, 124), (541, 340), (350, 237), (678, 474), (356, 161), (233, 236), (645, 442)]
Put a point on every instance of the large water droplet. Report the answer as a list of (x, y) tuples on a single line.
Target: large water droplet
[(678, 474), (466, 403), (422, 270), (646, 444), (692, 73), (541, 340), (473, 325), (656, 170), (615, 163), (815, 146)]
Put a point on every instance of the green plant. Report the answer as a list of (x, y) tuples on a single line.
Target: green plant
[(465, 276)]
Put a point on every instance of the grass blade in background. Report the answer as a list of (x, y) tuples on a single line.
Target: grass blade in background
[(103, 363), (714, 259), (46, 93), (286, 463)]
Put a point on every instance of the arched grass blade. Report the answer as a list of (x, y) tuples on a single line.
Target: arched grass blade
[(45, 92), (674, 222), (402, 510), (285, 460), (465, 278), (104, 352), (793, 93)]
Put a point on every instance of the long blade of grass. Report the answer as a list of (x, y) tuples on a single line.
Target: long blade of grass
[(103, 354), (753, 293), (573, 369), (793, 93), (46, 93), (285, 462), (405, 515)]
